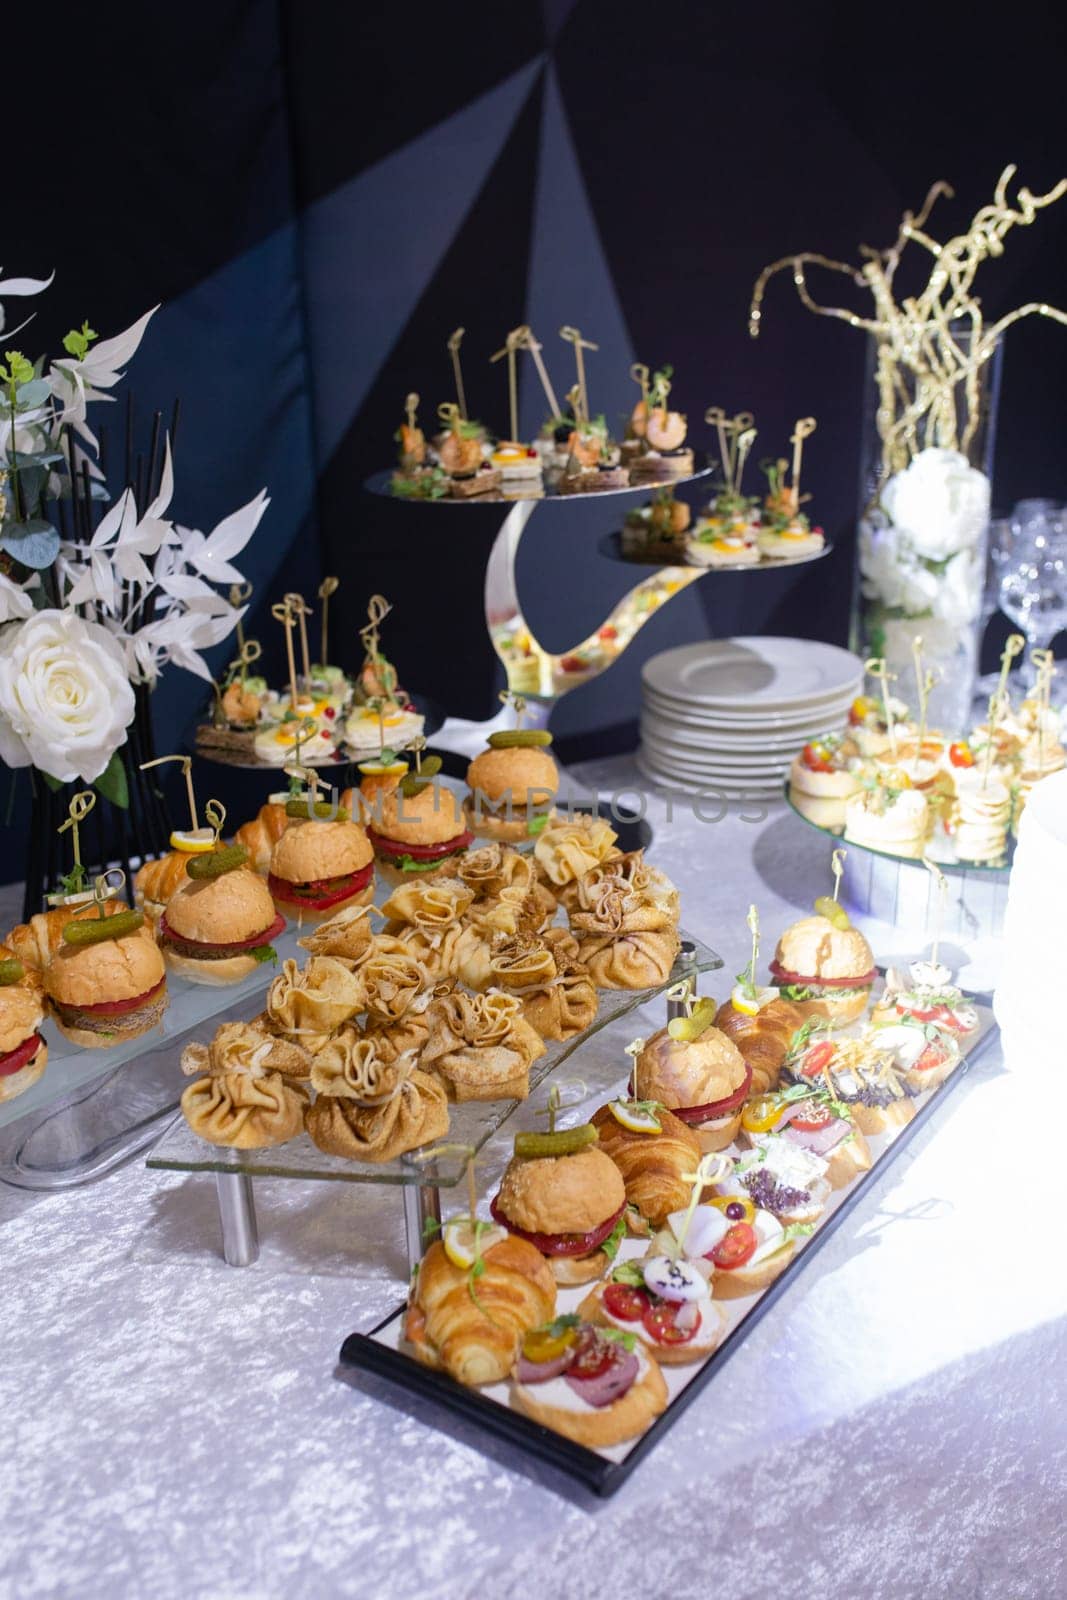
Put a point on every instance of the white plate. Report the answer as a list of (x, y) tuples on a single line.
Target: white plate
[(752, 791), (776, 766), (682, 766), (753, 718), (771, 674), (753, 742), (744, 737)]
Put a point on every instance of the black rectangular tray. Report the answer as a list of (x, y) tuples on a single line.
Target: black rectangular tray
[(363, 1351)]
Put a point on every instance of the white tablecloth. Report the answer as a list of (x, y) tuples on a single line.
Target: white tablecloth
[(176, 1428)]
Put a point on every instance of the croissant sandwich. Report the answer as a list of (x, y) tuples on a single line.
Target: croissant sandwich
[(476, 1337), (653, 1164)]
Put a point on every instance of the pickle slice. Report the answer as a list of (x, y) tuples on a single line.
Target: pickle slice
[(11, 971), (688, 1029), (94, 930), (565, 1142), (520, 739), (323, 808), (431, 766), (225, 859), (833, 911), (413, 785)]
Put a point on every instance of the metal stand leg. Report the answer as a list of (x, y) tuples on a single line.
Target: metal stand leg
[(237, 1215), (421, 1206)]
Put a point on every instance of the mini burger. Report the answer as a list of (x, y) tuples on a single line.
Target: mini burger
[(698, 1073), (566, 1198), (319, 867), (418, 828), (825, 966), (512, 785), (23, 1053), (106, 981), (219, 927)]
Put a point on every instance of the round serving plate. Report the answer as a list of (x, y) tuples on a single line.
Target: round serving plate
[(742, 717), (776, 741), (754, 674), (707, 787), (759, 766), (940, 848), (611, 546), (382, 483), (683, 766)]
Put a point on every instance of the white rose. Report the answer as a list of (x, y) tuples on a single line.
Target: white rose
[(940, 502), (959, 598), (14, 601), (65, 699)]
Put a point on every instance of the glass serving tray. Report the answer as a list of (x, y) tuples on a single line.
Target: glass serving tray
[(827, 817), (442, 1164), (71, 1067), (381, 483)]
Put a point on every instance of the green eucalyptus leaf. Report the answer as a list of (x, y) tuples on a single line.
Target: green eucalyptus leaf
[(112, 783)]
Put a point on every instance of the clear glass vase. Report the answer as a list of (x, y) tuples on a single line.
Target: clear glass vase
[(923, 525)]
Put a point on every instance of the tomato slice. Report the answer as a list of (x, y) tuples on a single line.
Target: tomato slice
[(818, 1057), (418, 852), (293, 894), (717, 1108), (118, 1008), (627, 1303), (559, 1244), (735, 1247), (594, 1356), (17, 1059), (783, 975), (935, 1055), (661, 1324), (812, 1118), (233, 948), (761, 1114), (961, 754), (816, 758)]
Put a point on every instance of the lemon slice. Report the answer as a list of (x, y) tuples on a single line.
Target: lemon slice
[(84, 897), (631, 1117), (458, 1240), (193, 841), (375, 769), (751, 1005)]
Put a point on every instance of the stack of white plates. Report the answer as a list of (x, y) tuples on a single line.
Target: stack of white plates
[(731, 714)]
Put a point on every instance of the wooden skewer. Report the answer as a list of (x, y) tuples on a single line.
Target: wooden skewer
[(80, 806), (941, 886), (532, 345), (454, 342), (837, 867), (744, 445), (283, 613), (328, 587), (573, 336), (239, 593), (187, 769), (877, 668), (710, 1169), (301, 611), (804, 429)]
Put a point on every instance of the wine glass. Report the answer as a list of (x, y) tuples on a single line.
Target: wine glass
[(1033, 585), (998, 553)]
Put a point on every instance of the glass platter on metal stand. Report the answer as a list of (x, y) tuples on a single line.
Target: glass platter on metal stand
[(420, 1174)]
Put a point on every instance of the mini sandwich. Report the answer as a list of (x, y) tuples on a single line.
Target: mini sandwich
[(698, 1073), (512, 785), (597, 1386), (23, 1052), (317, 867), (417, 833), (784, 1178), (664, 1301), (219, 928), (857, 1073), (827, 768), (813, 1120), (570, 1205), (106, 981), (739, 1246), (825, 966)]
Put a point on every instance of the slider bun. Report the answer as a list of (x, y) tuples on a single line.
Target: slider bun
[(114, 969), (502, 829), (569, 1271), (305, 917), (605, 1425), (17, 1083), (310, 850), (432, 816), (21, 1013), (814, 948), (235, 905), (214, 973), (119, 1031), (562, 1194), (519, 769), (834, 1006), (682, 1072)]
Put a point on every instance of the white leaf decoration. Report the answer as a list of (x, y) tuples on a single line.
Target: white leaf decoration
[(19, 286)]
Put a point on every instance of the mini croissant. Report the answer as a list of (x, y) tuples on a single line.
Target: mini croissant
[(653, 1165), (476, 1337)]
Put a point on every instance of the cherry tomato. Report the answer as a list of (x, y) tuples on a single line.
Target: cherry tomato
[(572, 664), (661, 1324), (861, 709), (942, 1015), (608, 632), (935, 1055), (625, 1302), (961, 754), (812, 1117), (735, 1247), (816, 757), (819, 1056), (761, 1114), (594, 1356)]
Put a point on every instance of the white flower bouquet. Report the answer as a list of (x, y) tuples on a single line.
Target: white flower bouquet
[(85, 620)]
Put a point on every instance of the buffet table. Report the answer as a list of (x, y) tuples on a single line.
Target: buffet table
[(892, 1427)]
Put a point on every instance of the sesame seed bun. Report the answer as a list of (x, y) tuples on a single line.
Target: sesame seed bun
[(311, 850), (683, 1072), (114, 969), (561, 1194)]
